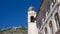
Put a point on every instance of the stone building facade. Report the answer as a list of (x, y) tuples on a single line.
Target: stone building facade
[(48, 17)]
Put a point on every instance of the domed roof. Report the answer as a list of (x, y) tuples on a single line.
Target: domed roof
[(31, 8)]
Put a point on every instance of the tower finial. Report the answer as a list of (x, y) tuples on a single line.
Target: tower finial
[(31, 8)]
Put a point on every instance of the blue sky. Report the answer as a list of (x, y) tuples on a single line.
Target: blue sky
[(14, 12)]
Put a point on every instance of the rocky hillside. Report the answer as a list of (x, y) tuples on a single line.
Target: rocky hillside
[(15, 30)]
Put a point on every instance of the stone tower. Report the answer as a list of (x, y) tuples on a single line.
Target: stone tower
[(32, 29)]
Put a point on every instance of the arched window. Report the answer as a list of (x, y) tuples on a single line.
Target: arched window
[(51, 27), (57, 20), (45, 30), (32, 19)]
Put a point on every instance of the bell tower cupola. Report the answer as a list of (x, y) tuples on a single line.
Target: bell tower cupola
[(31, 14)]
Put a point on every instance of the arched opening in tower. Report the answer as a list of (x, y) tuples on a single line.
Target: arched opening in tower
[(32, 19)]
